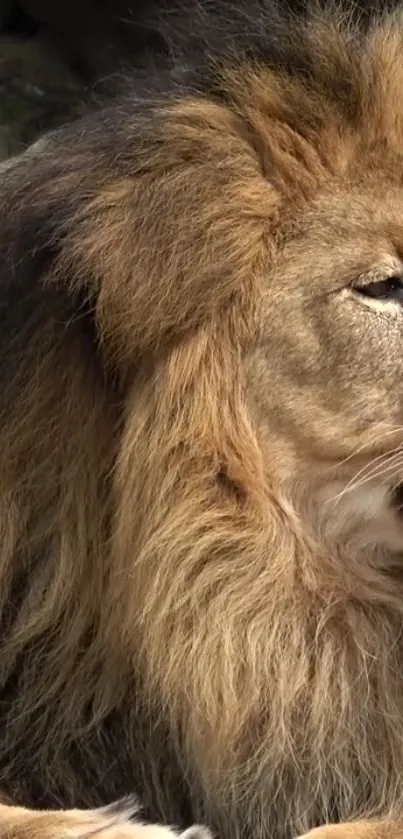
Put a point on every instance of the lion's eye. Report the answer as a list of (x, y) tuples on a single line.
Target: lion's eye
[(389, 289)]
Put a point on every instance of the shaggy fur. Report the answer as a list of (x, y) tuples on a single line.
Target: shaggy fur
[(201, 436)]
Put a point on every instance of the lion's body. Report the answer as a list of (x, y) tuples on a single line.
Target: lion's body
[(201, 599)]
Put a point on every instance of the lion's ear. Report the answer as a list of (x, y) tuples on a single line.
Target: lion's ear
[(159, 216)]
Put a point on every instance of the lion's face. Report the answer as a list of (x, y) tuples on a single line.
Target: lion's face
[(326, 374)]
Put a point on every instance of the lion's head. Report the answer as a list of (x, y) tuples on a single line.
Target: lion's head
[(202, 426)]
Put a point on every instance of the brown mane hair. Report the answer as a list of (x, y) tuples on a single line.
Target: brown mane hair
[(152, 572)]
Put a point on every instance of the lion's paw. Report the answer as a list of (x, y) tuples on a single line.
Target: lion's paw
[(362, 829), (117, 821)]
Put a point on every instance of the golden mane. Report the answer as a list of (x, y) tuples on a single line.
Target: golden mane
[(151, 567)]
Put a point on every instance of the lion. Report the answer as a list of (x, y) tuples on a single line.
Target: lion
[(201, 436)]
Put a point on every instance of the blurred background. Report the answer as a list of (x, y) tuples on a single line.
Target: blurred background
[(56, 55)]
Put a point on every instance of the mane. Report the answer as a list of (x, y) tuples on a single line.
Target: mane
[(145, 543)]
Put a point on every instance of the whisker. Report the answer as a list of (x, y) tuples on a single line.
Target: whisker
[(368, 468), (377, 435), (392, 465)]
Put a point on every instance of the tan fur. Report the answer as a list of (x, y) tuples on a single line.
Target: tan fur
[(232, 535), (21, 823)]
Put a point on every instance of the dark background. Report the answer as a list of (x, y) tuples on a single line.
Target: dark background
[(56, 55)]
